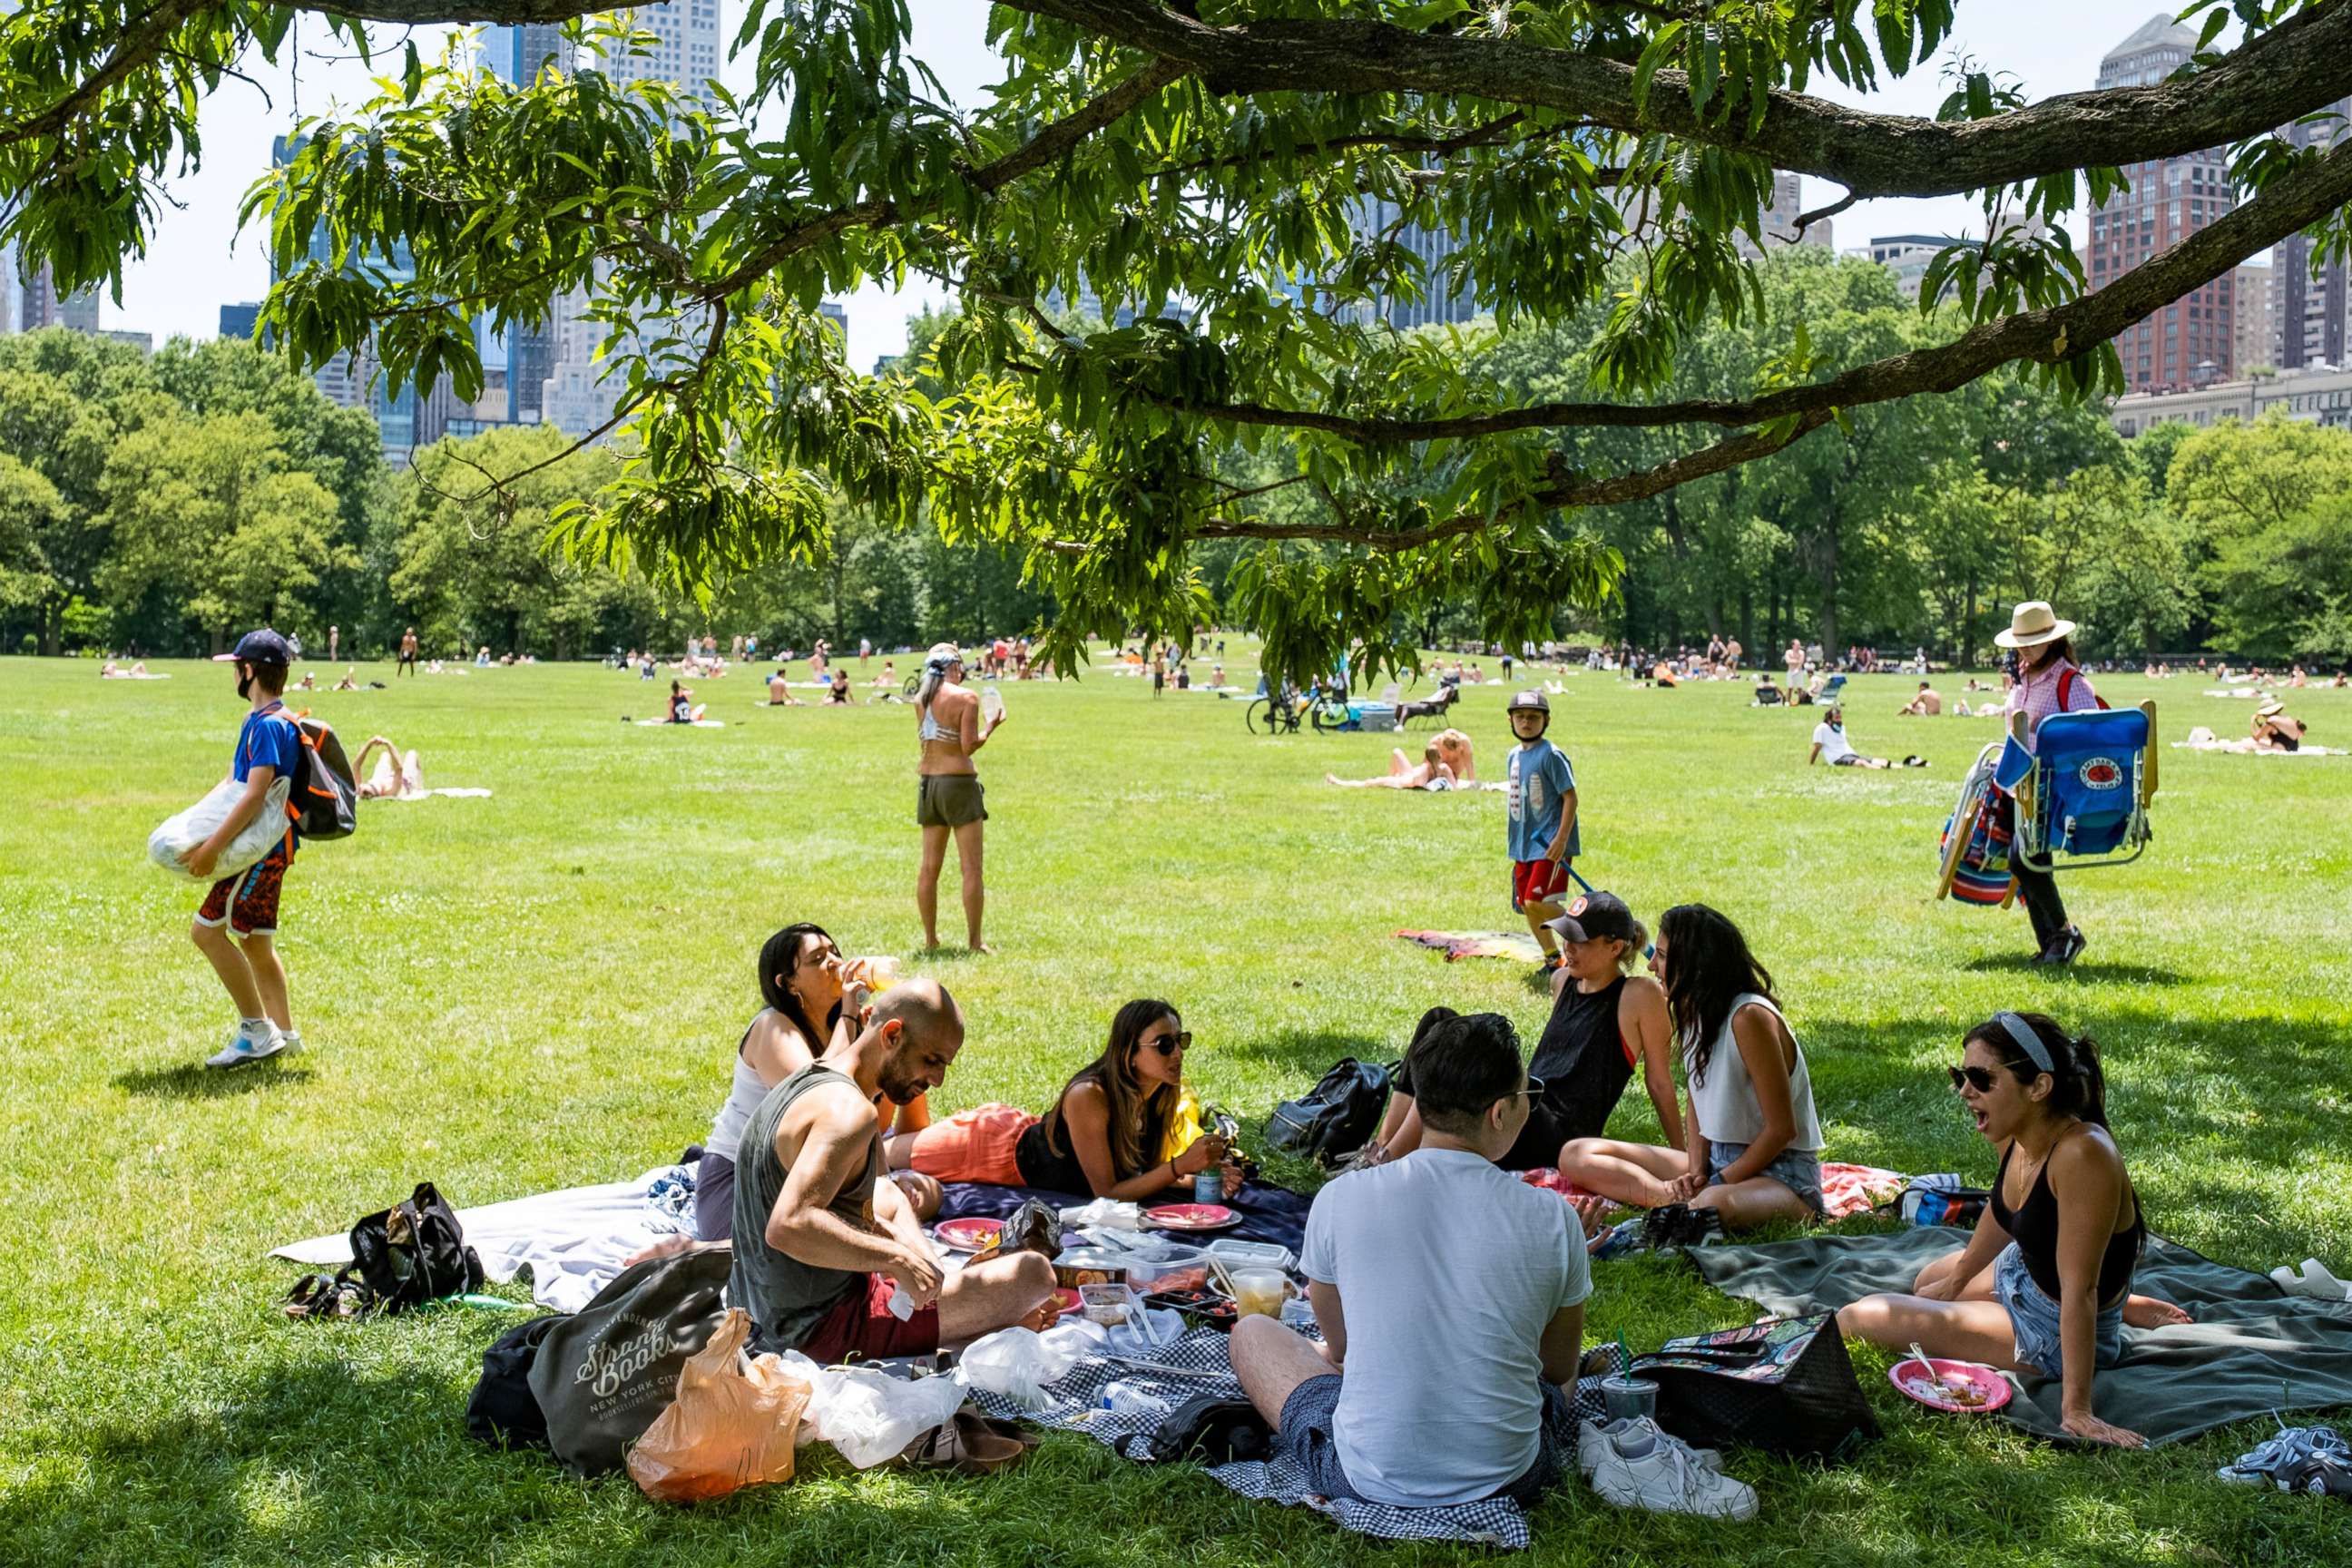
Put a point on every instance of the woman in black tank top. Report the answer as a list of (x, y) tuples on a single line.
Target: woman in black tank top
[(1604, 1021), (2018, 1295)]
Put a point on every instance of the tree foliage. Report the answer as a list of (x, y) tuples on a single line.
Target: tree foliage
[(1221, 157)]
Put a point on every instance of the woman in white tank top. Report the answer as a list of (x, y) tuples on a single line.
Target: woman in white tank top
[(1752, 1140)]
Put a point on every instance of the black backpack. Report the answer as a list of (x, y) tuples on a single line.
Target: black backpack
[(325, 797), (1337, 1116), (503, 1411), (411, 1253)]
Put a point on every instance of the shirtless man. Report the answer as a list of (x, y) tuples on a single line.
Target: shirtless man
[(1927, 704)]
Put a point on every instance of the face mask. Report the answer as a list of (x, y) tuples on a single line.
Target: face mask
[(245, 682)]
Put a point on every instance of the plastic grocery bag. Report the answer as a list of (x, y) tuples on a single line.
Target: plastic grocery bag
[(871, 1416), (199, 822), (1019, 1363), (733, 1425)]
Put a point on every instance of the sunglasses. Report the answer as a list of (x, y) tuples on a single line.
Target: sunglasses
[(1168, 1045), (1981, 1080), (1533, 1091)]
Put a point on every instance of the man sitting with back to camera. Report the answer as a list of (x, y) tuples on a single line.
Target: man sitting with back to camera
[(1450, 1297)]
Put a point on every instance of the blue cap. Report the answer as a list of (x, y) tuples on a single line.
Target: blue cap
[(262, 646)]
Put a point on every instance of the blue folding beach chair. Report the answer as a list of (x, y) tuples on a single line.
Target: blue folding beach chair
[(2082, 792)]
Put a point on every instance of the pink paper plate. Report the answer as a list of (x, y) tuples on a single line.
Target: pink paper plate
[(1190, 1216), (968, 1234), (1914, 1384)]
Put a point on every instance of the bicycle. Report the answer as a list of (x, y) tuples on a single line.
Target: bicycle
[(1272, 715)]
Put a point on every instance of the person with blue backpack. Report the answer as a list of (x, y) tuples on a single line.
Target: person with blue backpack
[(237, 927), (2048, 681)]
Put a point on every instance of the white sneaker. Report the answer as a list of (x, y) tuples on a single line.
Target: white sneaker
[(244, 1047), (1592, 1440), (1646, 1468)]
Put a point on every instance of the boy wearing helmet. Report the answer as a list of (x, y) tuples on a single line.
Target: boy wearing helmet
[(1539, 795)]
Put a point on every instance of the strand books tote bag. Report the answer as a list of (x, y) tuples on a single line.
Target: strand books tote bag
[(1785, 1384), (604, 1373)]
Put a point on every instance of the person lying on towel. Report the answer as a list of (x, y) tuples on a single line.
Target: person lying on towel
[(1451, 1298), (2044, 1283), (1109, 1132)]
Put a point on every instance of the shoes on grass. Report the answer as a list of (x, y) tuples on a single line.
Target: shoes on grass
[(250, 1045), (1672, 1226), (2288, 1459), (2063, 949), (1636, 1465), (1593, 1438)]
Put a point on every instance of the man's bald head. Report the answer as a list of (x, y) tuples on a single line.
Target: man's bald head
[(929, 1033)]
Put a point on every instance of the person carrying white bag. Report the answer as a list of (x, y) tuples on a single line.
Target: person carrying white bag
[(236, 927)]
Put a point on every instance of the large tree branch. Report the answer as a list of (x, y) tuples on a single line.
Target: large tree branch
[(2291, 203), (2298, 67), (148, 37)]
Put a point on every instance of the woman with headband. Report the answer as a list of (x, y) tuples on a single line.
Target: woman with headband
[(947, 795), (2045, 1285)]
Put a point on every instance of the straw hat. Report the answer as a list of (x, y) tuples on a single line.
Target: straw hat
[(2032, 623), (2271, 707)]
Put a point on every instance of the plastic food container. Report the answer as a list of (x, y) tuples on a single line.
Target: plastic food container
[(1079, 1266), (1167, 1268), (1250, 1253), (1110, 1304)]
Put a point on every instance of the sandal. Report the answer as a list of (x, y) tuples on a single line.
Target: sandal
[(324, 1296), (967, 1444)]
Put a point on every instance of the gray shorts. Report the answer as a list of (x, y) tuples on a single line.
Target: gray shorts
[(1304, 1435), (1799, 1170), (2033, 1316), (948, 800)]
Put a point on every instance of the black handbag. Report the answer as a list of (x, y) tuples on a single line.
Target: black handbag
[(605, 1372), (1337, 1117), (411, 1253), (1785, 1384)]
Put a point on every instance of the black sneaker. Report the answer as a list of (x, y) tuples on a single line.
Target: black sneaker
[(2069, 945)]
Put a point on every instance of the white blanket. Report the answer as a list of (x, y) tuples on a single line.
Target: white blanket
[(572, 1241)]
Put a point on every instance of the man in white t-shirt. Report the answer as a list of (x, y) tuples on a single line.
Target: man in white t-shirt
[(1830, 745), (1451, 1297)]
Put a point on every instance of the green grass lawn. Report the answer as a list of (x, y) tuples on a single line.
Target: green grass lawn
[(543, 989)]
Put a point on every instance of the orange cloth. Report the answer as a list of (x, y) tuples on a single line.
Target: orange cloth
[(973, 1145)]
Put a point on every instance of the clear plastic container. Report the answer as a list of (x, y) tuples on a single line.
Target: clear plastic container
[(1110, 1304), (1250, 1253), (1167, 1268)]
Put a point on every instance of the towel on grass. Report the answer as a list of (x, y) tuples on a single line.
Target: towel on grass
[(572, 1241), (1460, 944), (1270, 1214), (1076, 1406), (2252, 1349)]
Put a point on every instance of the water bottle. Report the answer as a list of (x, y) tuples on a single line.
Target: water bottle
[(1209, 1186), (1124, 1398)]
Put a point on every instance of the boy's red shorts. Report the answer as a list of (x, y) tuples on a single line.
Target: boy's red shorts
[(1537, 881), (248, 900)]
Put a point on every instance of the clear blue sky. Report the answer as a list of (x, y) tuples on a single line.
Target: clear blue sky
[(199, 260)]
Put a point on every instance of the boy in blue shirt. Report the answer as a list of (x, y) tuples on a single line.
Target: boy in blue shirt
[(1540, 800), (245, 955)]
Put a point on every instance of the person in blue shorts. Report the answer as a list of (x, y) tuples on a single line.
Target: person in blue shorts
[(245, 953), (1539, 796)]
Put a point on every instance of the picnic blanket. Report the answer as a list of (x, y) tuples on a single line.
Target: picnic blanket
[(1268, 1213), (448, 792), (1846, 1189), (2253, 1348), (1459, 945), (1200, 1364), (570, 1241)]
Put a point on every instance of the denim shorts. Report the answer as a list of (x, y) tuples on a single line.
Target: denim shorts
[(1799, 1170), (1305, 1434), (2034, 1316)]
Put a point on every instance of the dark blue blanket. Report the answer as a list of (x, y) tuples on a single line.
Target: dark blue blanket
[(1269, 1213)]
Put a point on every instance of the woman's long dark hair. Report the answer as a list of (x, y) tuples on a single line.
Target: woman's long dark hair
[(1138, 1120), (2078, 1084), (1709, 967), (2060, 651), (779, 956)]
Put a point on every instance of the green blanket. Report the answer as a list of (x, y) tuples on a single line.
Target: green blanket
[(2253, 1348)]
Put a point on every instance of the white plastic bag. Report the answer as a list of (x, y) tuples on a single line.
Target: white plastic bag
[(1105, 1213), (1019, 1363), (871, 1416), (199, 822)]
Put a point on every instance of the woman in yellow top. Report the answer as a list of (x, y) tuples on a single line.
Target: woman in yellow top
[(947, 795)]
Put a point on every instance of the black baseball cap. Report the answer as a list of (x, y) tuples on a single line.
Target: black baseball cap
[(1592, 915), (261, 647)]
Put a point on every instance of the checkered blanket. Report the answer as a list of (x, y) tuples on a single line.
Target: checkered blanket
[(1077, 1407)]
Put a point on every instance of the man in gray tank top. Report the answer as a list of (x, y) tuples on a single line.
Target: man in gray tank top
[(829, 1257)]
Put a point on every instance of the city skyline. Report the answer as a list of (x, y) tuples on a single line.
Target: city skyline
[(197, 262)]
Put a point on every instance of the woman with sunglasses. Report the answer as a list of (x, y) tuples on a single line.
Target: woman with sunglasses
[(947, 798), (1107, 1134), (813, 997), (2043, 1285), (1752, 1142)]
